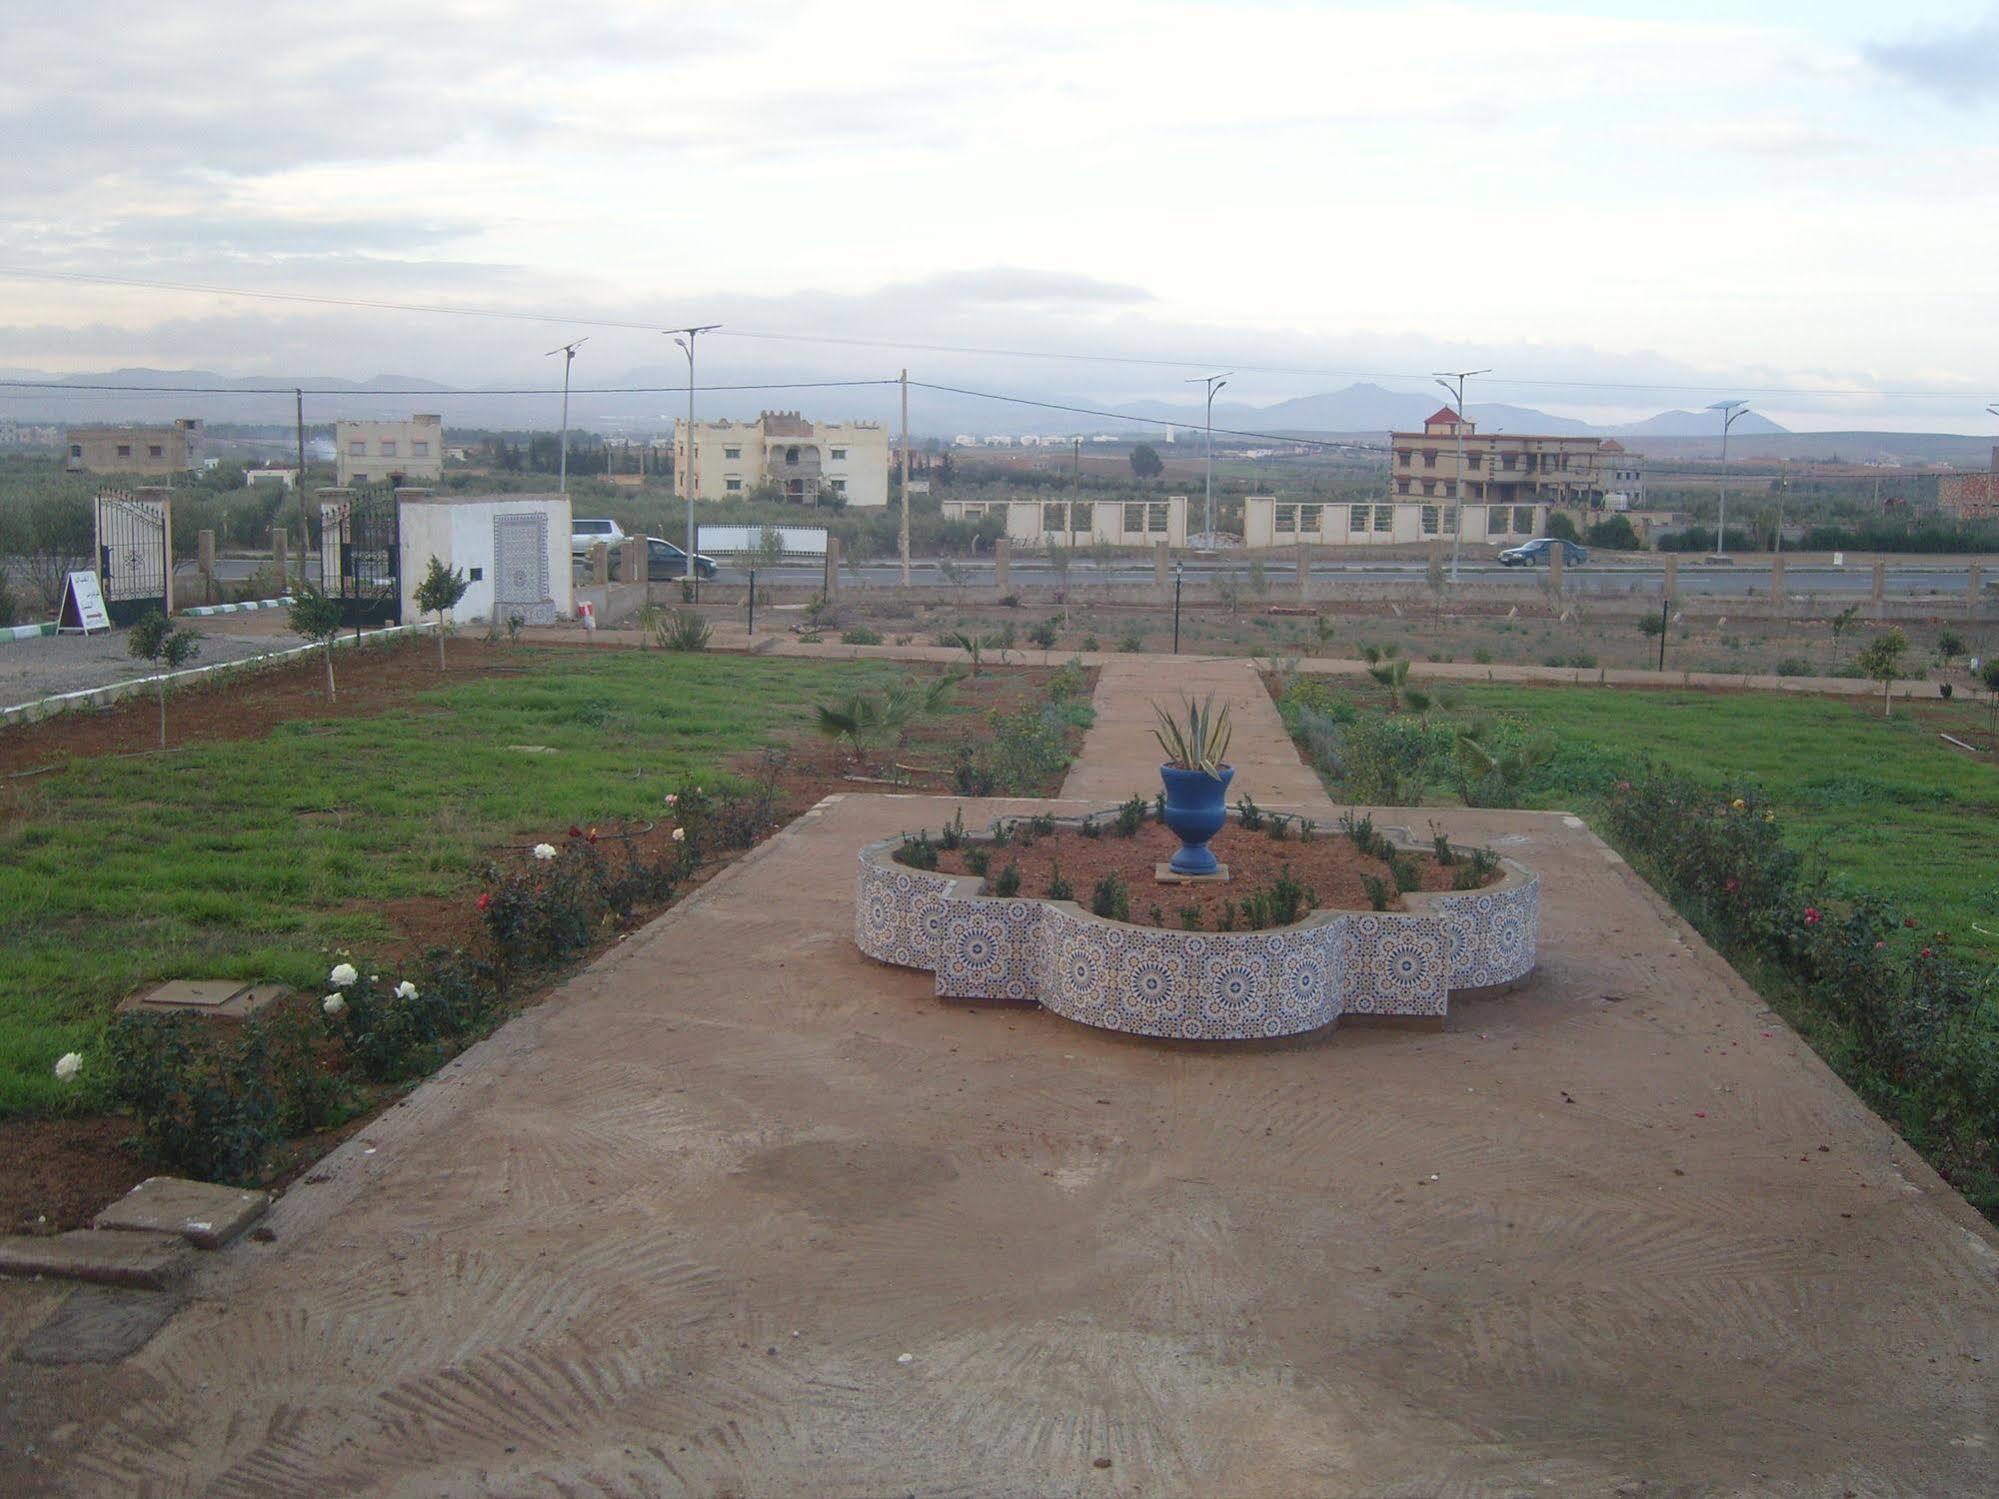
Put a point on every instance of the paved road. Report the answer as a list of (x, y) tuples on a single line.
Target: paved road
[(1904, 579)]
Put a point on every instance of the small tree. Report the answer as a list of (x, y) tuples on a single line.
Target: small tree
[(1839, 624), (1882, 662), (1146, 462), (1950, 645), (1561, 527), (439, 592), (167, 646), (1988, 676), (770, 546), (315, 616)]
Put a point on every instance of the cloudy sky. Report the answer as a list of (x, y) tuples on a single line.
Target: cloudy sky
[(1798, 198)]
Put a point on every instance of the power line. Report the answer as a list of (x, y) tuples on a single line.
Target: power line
[(832, 340), (1119, 416), (56, 388)]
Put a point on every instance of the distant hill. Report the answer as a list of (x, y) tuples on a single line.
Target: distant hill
[(1695, 424)]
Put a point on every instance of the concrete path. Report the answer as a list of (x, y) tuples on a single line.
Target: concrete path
[(1120, 756), (739, 1212)]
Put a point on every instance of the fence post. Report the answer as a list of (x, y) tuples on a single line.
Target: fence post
[(1879, 597), (1555, 569), (1159, 550), (600, 564), (280, 538), (1670, 588), (204, 555), (632, 561), (1777, 582), (1304, 572), (832, 584), (1002, 560), (1974, 584)]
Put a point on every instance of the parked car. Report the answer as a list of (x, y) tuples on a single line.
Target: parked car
[(665, 562), (584, 534), (1535, 552)]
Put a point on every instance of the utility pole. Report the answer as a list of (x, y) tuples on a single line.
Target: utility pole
[(1729, 410), (1214, 383), (1076, 488), (905, 478), (568, 353), (1445, 379), (685, 338), (298, 480)]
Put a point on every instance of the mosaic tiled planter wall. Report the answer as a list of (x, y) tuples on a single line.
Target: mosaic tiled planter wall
[(1216, 986)]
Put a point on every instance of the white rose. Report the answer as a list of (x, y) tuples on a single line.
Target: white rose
[(680, 835), (68, 1065), (406, 990), (672, 800), (544, 850), (333, 1004), (343, 975)]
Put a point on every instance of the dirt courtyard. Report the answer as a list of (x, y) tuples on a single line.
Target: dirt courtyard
[(675, 1231)]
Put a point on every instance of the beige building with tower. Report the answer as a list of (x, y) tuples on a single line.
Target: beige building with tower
[(171, 449), (408, 452), (1501, 468), (806, 462)]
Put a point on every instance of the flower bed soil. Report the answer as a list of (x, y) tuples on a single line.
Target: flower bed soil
[(1329, 865)]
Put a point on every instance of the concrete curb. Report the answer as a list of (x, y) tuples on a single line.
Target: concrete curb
[(27, 632), (205, 609), (104, 697)]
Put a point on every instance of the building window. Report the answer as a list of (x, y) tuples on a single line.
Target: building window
[(475, 574), (734, 486), (154, 450), (388, 448), (732, 453), (1496, 521), (1055, 516), (1429, 486), (357, 448), (419, 448), (1429, 457), (1473, 460), (791, 455), (1450, 489), (1402, 486), (1357, 519), (839, 486), (1155, 516), (1451, 519), (76, 450), (1405, 455), (1134, 517), (972, 512), (1311, 518), (1429, 520), (1384, 517), (124, 450), (839, 455), (359, 478), (1506, 461), (1287, 520), (1523, 519)]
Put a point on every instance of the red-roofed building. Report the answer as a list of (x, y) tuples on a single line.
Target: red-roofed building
[(1502, 469)]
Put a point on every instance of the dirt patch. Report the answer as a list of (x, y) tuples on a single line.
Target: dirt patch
[(1327, 863), (850, 1181), (250, 701), (56, 1174)]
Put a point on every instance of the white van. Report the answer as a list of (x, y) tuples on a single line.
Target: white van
[(584, 534)]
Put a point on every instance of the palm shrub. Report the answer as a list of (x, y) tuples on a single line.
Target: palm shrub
[(684, 630)]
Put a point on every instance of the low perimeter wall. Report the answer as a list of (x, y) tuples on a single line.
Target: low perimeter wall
[(1207, 986)]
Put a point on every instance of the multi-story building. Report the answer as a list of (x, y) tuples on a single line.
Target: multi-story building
[(400, 453), (805, 462), (1501, 468), (1623, 478), (135, 450), (1970, 496)]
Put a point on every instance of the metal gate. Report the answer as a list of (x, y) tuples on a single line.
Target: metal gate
[(134, 555), (360, 547)]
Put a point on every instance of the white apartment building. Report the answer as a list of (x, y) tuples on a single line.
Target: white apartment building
[(803, 460), (401, 453)]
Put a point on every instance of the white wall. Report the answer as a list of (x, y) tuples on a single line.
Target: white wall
[(460, 533)]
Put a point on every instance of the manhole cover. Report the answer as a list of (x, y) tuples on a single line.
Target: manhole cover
[(225, 999)]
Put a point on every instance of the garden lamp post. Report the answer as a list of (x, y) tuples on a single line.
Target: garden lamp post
[(1179, 574), (1214, 383), (685, 338), (1729, 410), (1445, 379)]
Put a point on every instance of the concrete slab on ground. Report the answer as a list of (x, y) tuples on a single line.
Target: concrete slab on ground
[(206, 1215), (147, 1261)]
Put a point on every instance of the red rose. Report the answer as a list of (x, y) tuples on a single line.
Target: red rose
[(575, 831), (1811, 915), (483, 902), (1909, 921), (1731, 885), (1929, 952)]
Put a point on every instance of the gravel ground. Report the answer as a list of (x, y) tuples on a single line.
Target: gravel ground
[(49, 664)]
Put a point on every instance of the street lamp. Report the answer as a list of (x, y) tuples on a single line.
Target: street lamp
[(1445, 379), (685, 338), (1214, 383), (568, 353), (1729, 410)]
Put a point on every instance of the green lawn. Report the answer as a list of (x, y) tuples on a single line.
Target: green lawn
[(251, 859), (1887, 804)]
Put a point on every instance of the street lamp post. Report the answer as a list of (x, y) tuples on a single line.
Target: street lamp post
[(568, 353), (1729, 410), (1214, 383), (685, 338), (1445, 379)]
